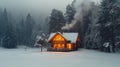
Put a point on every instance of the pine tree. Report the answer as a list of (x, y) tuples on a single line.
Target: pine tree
[(39, 27), (115, 24), (8, 34), (90, 40), (56, 21), (70, 12), (20, 31), (0, 27), (3, 22), (9, 40), (29, 27), (107, 22)]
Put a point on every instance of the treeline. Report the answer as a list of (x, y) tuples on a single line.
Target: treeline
[(15, 32), (97, 24)]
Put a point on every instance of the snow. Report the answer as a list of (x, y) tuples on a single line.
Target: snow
[(34, 58), (71, 36), (107, 44), (51, 35), (108, 24)]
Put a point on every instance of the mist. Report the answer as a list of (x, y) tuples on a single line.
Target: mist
[(34, 6), (39, 9), (80, 12)]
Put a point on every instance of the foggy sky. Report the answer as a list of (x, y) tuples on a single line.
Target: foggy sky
[(39, 6), (39, 9), (35, 6)]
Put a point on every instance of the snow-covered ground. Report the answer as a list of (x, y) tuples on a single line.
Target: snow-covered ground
[(35, 58)]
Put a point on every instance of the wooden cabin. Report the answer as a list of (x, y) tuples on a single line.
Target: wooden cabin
[(63, 42)]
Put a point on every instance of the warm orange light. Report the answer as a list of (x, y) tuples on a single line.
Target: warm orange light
[(69, 46), (63, 45), (54, 45), (58, 45), (58, 38)]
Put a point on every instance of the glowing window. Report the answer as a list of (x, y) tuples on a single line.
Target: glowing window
[(69, 46), (58, 45), (58, 38)]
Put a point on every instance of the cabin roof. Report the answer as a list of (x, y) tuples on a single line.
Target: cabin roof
[(51, 36), (69, 36)]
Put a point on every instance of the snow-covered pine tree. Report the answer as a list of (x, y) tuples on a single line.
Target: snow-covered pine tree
[(107, 20), (91, 39), (115, 25), (104, 13)]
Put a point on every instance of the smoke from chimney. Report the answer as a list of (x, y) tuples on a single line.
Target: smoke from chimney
[(81, 11)]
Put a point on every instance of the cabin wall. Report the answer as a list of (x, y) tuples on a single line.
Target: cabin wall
[(65, 45)]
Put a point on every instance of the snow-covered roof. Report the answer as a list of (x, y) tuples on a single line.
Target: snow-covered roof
[(69, 36), (51, 35)]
